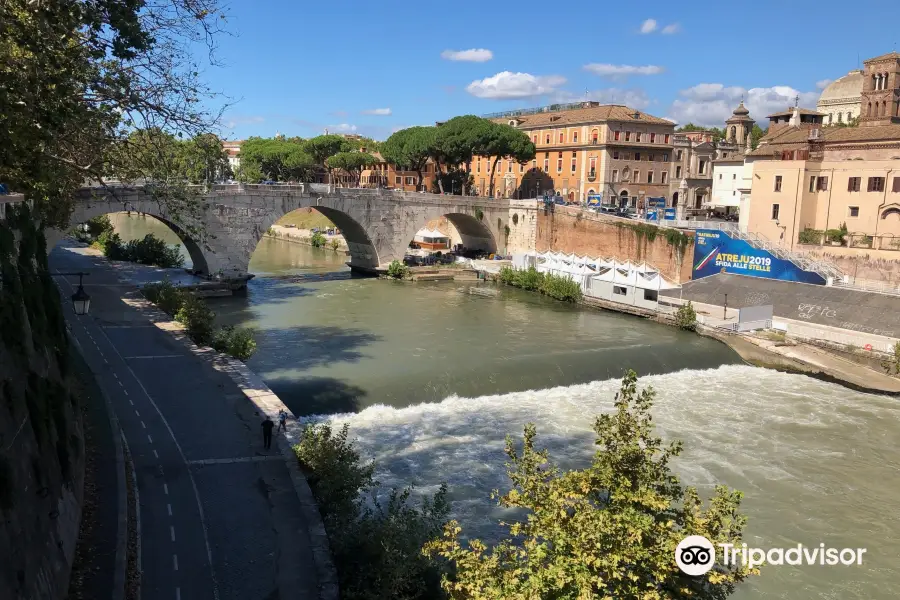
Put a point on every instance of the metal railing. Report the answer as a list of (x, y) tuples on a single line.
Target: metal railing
[(824, 268), (864, 285)]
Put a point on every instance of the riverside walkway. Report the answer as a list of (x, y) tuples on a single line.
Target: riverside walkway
[(219, 517)]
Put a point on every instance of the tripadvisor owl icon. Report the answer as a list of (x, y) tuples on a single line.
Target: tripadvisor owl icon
[(695, 555)]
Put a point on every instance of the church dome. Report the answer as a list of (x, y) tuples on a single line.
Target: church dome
[(848, 87), (741, 110)]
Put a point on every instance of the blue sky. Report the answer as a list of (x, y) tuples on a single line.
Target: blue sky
[(299, 67)]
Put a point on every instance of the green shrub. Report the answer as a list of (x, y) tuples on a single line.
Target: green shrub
[(150, 250), (317, 240), (560, 288), (99, 225), (197, 318), (166, 296), (686, 317), (236, 342), (811, 236), (376, 545), (335, 244), (398, 270)]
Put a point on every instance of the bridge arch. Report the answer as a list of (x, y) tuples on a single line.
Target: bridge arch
[(87, 211), (473, 232)]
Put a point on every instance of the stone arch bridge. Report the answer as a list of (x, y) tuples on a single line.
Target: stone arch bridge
[(378, 225)]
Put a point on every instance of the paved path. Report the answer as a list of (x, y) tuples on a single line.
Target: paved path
[(219, 517)]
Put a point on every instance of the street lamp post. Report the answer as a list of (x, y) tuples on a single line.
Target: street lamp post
[(81, 300)]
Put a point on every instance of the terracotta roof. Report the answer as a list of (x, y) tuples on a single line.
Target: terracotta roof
[(594, 114), (797, 138), (883, 57), (789, 112)]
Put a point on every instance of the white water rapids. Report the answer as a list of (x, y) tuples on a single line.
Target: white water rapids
[(817, 462)]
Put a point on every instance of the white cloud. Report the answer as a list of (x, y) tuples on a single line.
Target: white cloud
[(514, 85), (342, 128), (382, 112), (824, 83), (648, 26), (622, 71), (670, 29), (711, 104), (634, 98), (471, 55)]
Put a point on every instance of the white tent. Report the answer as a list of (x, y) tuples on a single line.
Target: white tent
[(628, 283)]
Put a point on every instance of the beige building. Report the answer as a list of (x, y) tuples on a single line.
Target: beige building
[(818, 179), (585, 149)]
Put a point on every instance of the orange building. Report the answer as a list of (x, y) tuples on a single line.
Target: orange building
[(585, 149)]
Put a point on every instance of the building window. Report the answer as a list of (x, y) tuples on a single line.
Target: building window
[(410, 181), (853, 184), (775, 210), (649, 176), (573, 163), (594, 136), (521, 167), (562, 137), (734, 176), (677, 172), (534, 164), (627, 136), (615, 155), (509, 165), (478, 166), (637, 176), (637, 156), (853, 211), (548, 138), (575, 137), (777, 184), (652, 138), (821, 184), (896, 185), (651, 295), (637, 136), (667, 138), (619, 290), (665, 157), (665, 177), (616, 135), (615, 175), (559, 165), (702, 167), (678, 155), (546, 165), (593, 166), (398, 180), (876, 184), (534, 140), (812, 183)]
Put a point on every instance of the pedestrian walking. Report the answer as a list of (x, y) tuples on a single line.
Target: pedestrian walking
[(282, 422), (267, 427)]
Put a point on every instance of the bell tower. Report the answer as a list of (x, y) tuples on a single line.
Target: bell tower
[(880, 103), (739, 126)]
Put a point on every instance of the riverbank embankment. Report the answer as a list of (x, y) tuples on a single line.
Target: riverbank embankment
[(304, 236)]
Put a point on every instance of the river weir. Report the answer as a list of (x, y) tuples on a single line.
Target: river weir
[(432, 376)]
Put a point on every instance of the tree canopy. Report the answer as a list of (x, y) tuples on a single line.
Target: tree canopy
[(278, 159), (80, 75), (352, 162), (410, 148), (607, 531)]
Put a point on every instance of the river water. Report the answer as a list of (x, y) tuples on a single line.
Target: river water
[(431, 377)]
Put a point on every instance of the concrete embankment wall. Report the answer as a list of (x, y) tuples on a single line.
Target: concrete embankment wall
[(589, 234), (871, 265)]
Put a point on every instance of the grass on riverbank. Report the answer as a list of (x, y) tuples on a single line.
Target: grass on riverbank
[(305, 218), (560, 288)]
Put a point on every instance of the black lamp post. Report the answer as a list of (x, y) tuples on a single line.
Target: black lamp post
[(81, 300)]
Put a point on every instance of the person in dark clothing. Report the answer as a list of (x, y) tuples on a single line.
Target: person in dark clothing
[(267, 426)]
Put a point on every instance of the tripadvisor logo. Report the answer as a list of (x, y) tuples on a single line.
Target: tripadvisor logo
[(696, 555)]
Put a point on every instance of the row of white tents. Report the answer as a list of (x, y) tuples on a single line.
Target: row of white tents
[(609, 279)]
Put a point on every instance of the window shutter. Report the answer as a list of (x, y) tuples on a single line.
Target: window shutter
[(896, 184)]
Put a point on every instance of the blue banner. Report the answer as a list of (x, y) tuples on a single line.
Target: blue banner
[(656, 202), (717, 252), (651, 215), (670, 214), (594, 199)]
